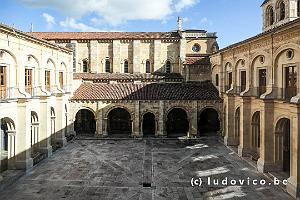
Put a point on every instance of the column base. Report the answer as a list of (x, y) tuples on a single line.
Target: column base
[(263, 166), (46, 150), (293, 188), (24, 164), (243, 151), (230, 141)]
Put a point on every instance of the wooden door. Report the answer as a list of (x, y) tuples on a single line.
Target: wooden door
[(28, 81), (47, 80)]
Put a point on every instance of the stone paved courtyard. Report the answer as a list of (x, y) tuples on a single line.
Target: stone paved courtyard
[(140, 170)]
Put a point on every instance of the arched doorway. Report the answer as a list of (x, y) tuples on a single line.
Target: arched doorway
[(237, 126), (208, 122), (7, 144), (149, 126), (119, 122), (283, 144), (177, 123), (255, 135), (85, 123)]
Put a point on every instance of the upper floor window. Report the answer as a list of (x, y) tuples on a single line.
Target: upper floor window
[(126, 70), (85, 66), (148, 67), (282, 11), (229, 80), (290, 82), (61, 79), (28, 80), (47, 79), (196, 48), (270, 15), (243, 81), (168, 67), (2, 81), (107, 66), (262, 73), (217, 79)]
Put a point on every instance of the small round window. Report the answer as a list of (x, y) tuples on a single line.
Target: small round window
[(196, 48), (290, 54)]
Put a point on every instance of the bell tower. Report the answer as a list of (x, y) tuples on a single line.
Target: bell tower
[(278, 12)]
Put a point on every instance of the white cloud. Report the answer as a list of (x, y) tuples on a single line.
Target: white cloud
[(181, 4), (114, 12), (185, 19), (72, 24), (205, 20), (49, 19)]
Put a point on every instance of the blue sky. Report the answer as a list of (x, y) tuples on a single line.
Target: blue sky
[(233, 20)]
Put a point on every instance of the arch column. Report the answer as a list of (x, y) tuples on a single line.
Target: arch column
[(193, 122), (12, 149), (105, 133), (293, 186), (266, 161), (99, 124), (136, 120), (161, 123), (245, 119)]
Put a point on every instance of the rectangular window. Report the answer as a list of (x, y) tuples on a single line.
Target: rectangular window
[(262, 73), (229, 83), (290, 82), (2, 81), (243, 81), (28, 80), (47, 80), (61, 79)]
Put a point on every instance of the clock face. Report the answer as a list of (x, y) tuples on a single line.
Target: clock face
[(196, 48)]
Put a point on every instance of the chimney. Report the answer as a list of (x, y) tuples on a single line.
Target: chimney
[(179, 22)]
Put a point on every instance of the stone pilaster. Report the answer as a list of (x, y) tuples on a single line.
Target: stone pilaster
[(116, 56), (229, 137), (45, 132), (94, 56), (24, 160), (99, 124), (136, 124), (193, 120), (245, 120), (266, 161), (136, 56), (293, 186)]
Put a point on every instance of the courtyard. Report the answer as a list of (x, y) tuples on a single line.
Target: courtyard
[(141, 169)]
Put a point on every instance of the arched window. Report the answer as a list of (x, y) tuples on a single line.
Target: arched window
[(282, 11), (85, 66), (168, 67), (270, 15), (126, 67), (107, 66), (148, 66)]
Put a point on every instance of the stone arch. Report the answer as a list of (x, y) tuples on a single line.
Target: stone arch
[(8, 144), (53, 128), (51, 64), (177, 122), (255, 135), (237, 121), (281, 9), (8, 68), (119, 122), (81, 108), (241, 72), (2, 55), (149, 123), (263, 65), (209, 121), (85, 122), (283, 144)]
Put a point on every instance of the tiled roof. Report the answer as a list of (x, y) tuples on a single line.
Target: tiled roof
[(144, 91), (265, 1), (126, 76), (104, 35)]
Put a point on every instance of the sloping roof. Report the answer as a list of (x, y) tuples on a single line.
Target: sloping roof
[(197, 61), (104, 35), (126, 76), (144, 91)]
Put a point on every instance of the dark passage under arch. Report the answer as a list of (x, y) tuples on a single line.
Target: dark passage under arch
[(149, 125), (208, 122), (119, 122), (177, 123), (85, 122)]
